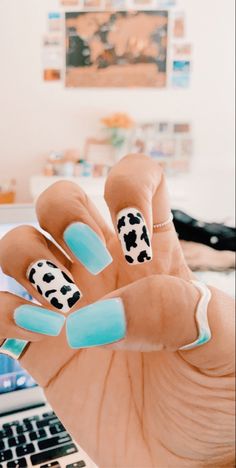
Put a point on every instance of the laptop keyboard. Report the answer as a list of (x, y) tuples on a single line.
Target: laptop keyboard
[(42, 439)]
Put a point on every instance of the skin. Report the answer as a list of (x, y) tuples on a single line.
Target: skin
[(140, 402)]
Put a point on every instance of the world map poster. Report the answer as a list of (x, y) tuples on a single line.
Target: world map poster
[(116, 49)]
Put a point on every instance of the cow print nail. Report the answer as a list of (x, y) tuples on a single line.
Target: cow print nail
[(134, 236), (54, 285)]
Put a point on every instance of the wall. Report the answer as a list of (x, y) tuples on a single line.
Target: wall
[(37, 117)]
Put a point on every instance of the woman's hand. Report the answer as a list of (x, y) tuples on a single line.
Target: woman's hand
[(138, 402)]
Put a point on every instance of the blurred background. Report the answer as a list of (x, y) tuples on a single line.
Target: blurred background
[(84, 82)]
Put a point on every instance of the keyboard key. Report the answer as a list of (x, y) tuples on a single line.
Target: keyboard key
[(78, 464), (35, 435), (25, 450), (2, 445), (10, 424), (49, 414), (47, 422), (19, 463), (30, 419), (48, 455), (27, 427), (48, 443), (13, 441), (8, 432), (6, 455), (51, 465), (57, 428)]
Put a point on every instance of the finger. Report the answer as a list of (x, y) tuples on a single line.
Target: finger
[(70, 217), (23, 320), (137, 197), (171, 324), (26, 255)]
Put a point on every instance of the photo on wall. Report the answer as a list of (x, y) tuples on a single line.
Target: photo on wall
[(69, 2), (116, 49)]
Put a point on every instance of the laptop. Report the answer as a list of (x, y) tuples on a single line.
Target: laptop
[(31, 435)]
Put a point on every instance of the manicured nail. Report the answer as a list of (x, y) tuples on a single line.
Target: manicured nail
[(38, 320), (134, 236), (87, 246), (54, 285), (97, 324), (13, 347)]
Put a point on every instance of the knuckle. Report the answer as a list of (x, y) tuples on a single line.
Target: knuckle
[(57, 198), (117, 186), (15, 245), (157, 287), (153, 286)]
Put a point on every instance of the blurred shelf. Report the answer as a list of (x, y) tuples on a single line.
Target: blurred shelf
[(197, 194)]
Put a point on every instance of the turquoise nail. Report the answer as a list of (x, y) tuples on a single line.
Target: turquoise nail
[(87, 246), (13, 347), (97, 324), (38, 320)]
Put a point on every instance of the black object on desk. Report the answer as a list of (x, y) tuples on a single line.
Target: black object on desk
[(215, 235)]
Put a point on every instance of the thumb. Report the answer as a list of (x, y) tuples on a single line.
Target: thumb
[(161, 315), (154, 314)]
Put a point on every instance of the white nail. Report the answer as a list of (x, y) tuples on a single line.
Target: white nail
[(54, 285), (134, 236)]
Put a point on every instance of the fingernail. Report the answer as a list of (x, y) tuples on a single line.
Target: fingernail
[(87, 246), (97, 324), (13, 347), (38, 320), (54, 285), (134, 236)]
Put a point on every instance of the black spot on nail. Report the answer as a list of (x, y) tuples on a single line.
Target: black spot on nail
[(143, 256), (65, 289), (51, 264), (31, 275), (40, 264), (67, 278), (130, 240), (133, 219), (54, 301), (72, 300), (48, 277), (121, 223), (129, 259), (139, 215), (144, 236), (39, 290), (50, 291)]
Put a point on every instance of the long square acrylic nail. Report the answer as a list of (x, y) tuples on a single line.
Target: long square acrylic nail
[(134, 236), (87, 247)]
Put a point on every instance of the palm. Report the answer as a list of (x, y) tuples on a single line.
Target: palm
[(107, 388)]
